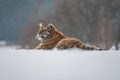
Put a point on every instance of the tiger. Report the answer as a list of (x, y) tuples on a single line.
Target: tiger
[(50, 37)]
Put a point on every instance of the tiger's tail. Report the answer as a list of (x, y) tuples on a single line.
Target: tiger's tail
[(89, 47)]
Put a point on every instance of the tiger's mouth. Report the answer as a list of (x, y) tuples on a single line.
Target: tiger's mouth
[(39, 37)]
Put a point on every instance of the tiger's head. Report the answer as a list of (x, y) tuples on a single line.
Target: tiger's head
[(45, 31)]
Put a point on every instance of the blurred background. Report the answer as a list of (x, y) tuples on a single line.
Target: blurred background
[(96, 22)]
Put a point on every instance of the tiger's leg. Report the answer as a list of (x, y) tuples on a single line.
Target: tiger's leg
[(42, 47), (67, 44), (39, 47), (61, 46)]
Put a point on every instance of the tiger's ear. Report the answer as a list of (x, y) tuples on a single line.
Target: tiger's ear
[(51, 25), (40, 24)]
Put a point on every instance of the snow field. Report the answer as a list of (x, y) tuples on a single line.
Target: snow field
[(71, 64)]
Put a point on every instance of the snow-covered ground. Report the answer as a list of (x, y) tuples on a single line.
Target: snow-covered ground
[(59, 65)]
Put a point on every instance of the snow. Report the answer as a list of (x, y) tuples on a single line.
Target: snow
[(3, 43), (74, 64)]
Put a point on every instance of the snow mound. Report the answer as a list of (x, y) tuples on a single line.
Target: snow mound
[(54, 64)]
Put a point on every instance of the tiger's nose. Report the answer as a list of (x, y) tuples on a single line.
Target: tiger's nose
[(40, 32)]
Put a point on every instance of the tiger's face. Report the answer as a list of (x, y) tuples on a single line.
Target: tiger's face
[(45, 31)]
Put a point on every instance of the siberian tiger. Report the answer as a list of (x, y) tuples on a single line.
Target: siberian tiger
[(50, 37)]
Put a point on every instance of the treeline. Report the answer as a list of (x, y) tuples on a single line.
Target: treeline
[(93, 21)]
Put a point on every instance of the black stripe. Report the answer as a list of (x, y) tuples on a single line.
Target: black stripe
[(83, 46)]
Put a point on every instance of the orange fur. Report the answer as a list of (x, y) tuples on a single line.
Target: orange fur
[(60, 41)]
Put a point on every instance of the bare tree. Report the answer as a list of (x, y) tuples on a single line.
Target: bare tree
[(88, 20)]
